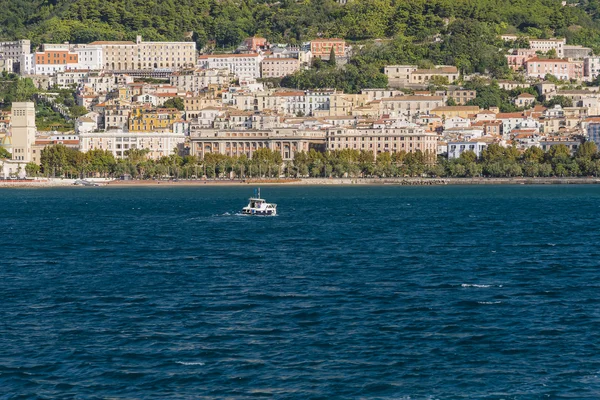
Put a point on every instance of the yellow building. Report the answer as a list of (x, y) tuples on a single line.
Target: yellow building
[(342, 104), (143, 119), (455, 111)]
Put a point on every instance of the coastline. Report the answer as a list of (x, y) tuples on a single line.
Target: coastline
[(56, 182)]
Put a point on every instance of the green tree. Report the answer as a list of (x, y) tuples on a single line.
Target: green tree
[(332, 61), (32, 169), (587, 150), (4, 154), (559, 100), (175, 102)]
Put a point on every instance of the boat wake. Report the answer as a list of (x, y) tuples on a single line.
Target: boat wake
[(189, 363)]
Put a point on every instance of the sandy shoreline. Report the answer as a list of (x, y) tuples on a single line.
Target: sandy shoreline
[(49, 183)]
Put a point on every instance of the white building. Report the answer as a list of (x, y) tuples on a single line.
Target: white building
[(455, 149), (545, 45), (591, 67), (15, 51), (106, 82), (241, 65), (89, 122), (89, 57), (159, 144)]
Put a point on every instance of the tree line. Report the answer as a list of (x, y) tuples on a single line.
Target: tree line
[(495, 162)]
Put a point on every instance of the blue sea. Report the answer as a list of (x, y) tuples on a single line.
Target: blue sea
[(374, 292)]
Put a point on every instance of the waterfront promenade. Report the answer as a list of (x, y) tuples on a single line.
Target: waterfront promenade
[(47, 183)]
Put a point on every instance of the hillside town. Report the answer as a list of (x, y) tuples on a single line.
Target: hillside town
[(165, 98)]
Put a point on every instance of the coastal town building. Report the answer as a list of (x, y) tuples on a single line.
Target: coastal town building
[(456, 148), (399, 75), (287, 141), (144, 119), (14, 53), (322, 48), (524, 100), (118, 142), (383, 140), (410, 105), (23, 130), (196, 80), (560, 68), (546, 45), (126, 56), (517, 58), (241, 65), (425, 76), (255, 43), (593, 133), (409, 76), (460, 96), (455, 111), (279, 67)]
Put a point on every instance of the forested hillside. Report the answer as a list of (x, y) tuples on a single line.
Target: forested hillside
[(229, 21), (426, 32)]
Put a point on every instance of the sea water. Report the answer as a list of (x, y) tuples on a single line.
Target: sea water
[(350, 292)]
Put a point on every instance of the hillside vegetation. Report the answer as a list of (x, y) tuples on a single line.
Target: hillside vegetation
[(425, 32), (229, 21)]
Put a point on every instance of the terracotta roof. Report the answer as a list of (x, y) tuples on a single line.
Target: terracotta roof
[(328, 40), (289, 94), (550, 60), (509, 115)]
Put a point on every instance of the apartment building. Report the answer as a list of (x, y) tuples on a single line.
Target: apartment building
[(241, 65), (279, 67), (460, 96), (106, 82), (399, 75), (15, 51), (411, 105), (159, 144), (197, 80), (561, 68), (455, 111), (456, 148), (142, 119), (424, 76), (322, 48), (140, 55), (193, 106), (545, 45), (383, 140), (518, 57), (49, 62)]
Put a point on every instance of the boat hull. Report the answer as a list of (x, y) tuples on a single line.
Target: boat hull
[(260, 212)]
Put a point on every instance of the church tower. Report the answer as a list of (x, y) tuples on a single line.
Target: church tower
[(23, 130)]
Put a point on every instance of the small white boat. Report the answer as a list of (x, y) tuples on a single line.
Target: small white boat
[(258, 206)]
